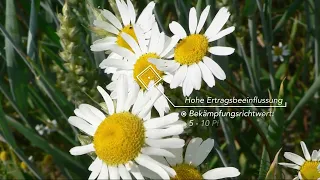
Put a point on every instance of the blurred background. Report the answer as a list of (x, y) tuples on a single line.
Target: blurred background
[(47, 68)]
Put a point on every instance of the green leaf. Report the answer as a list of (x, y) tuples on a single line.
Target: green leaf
[(307, 96), (60, 157)]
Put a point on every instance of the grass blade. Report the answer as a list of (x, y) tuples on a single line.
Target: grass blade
[(307, 96), (17, 75), (289, 12), (31, 45)]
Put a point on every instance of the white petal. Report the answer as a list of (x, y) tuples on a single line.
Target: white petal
[(112, 18), (206, 74), (162, 105), (280, 44), (221, 51), (122, 92), (106, 26), (305, 151), (113, 172), (94, 174), (144, 161), (95, 165), (104, 174), (134, 170), (148, 173), (177, 30), (139, 102), (132, 12), (165, 143), (124, 174), (218, 22), (146, 13), (281, 58), (220, 173), (179, 76), (123, 10), (294, 158), (132, 96), (82, 125), (168, 47), (161, 121), (165, 65), (108, 39), (161, 161), (91, 117), (286, 52), (80, 150), (160, 133), (222, 33), (314, 155), (274, 58), (203, 18), (214, 68), (104, 46), (196, 80), (117, 63), (187, 86), (290, 165), (141, 39), (132, 43), (96, 111), (156, 152), (147, 107), (178, 159), (193, 20), (124, 52), (107, 99), (300, 176), (155, 34), (160, 46), (96, 169), (203, 151), (192, 149)]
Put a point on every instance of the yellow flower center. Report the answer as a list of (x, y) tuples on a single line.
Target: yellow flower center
[(277, 51), (23, 166), (129, 30), (119, 138), (4, 156), (309, 170), (144, 71), (191, 49), (186, 171)]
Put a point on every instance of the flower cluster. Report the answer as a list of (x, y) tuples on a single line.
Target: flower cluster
[(126, 139)]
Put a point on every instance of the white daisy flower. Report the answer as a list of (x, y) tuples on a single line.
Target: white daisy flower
[(190, 62), (139, 70), (124, 139), (306, 166), (279, 51), (112, 25), (196, 152)]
